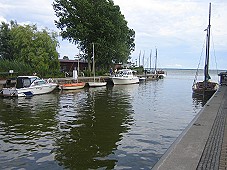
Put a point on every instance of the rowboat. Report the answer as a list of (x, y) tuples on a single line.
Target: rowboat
[(71, 86)]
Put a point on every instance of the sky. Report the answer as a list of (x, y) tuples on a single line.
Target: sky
[(174, 27)]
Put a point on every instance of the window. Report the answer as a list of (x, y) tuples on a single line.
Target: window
[(26, 82)]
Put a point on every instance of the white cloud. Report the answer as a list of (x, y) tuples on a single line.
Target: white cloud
[(36, 12), (2, 19), (29, 11), (175, 27)]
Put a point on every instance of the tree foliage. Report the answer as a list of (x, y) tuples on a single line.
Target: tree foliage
[(5, 39), (84, 22), (20, 68), (27, 44)]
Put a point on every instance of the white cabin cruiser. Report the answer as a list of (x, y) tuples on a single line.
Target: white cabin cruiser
[(29, 86), (125, 76)]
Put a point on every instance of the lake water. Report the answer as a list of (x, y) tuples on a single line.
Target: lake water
[(114, 127)]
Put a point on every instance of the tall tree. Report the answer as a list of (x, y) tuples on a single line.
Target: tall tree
[(84, 22)]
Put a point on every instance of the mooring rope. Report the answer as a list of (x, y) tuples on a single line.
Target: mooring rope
[(197, 71), (215, 58)]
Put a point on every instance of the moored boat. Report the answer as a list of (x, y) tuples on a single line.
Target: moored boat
[(206, 87), (125, 76), (159, 73), (71, 86), (141, 79), (95, 83), (29, 86)]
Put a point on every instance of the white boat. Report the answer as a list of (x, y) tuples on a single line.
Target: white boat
[(141, 79), (95, 83), (206, 87), (29, 86), (125, 76), (161, 74)]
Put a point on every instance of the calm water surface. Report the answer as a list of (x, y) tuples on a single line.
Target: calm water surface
[(116, 127)]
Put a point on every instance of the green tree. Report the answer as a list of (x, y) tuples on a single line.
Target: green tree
[(84, 22), (5, 38), (32, 46)]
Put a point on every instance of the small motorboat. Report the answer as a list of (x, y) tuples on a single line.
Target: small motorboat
[(71, 86), (29, 86)]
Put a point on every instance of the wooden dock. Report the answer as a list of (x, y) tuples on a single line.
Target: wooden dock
[(83, 79), (203, 144)]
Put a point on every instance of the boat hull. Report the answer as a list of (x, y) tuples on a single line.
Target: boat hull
[(141, 79), (97, 84), (124, 80), (161, 76), (29, 91), (72, 86), (210, 89)]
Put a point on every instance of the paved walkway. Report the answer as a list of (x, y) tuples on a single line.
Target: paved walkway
[(210, 158), (203, 145)]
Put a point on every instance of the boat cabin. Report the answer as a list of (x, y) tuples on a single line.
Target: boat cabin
[(27, 81), (125, 72)]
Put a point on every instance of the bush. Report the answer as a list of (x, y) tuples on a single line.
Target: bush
[(139, 70), (87, 73), (21, 68)]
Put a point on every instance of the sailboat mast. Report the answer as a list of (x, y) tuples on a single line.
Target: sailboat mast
[(143, 60), (207, 48), (139, 58), (93, 56), (156, 56), (150, 58)]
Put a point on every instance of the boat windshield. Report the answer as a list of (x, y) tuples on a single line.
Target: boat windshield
[(123, 72), (23, 81), (26, 82), (38, 82), (34, 78)]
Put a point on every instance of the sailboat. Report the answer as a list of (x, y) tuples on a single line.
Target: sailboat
[(206, 87), (160, 73), (95, 83)]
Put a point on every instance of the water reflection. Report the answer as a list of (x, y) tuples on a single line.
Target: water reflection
[(114, 127), (91, 124), (77, 129), (200, 100), (26, 131)]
